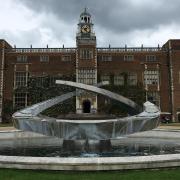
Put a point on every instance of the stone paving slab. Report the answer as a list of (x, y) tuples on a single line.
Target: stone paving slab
[(8, 128), (169, 127), (163, 134)]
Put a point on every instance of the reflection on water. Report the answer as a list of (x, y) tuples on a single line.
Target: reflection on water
[(117, 151)]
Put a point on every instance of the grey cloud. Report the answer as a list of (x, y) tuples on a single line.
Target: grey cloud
[(15, 38), (117, 22), (116, 15)]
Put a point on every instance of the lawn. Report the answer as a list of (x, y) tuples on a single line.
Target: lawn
[(164, 174), (6, 124)]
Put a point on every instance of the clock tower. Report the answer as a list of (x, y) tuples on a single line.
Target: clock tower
[(86, 63)]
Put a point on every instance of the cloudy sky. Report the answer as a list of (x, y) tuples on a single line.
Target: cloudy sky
[(116, 22)]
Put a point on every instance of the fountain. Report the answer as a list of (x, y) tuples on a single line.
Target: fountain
[(28, 119), (88, 142)]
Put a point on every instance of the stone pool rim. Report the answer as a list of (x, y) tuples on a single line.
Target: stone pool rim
[(91, 164)]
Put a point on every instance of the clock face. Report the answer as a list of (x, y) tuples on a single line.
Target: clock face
[(85, 29)]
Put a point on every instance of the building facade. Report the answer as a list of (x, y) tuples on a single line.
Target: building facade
[(156, 68)]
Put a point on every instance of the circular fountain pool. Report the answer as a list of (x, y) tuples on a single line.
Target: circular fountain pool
[(91, 144), (153, 149), (122, 150)]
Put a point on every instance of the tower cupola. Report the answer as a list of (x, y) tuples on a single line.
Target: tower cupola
[(85, 17), (85, 26)]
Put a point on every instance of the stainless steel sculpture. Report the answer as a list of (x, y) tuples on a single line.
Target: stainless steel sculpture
[(131, 104), (29, 119)]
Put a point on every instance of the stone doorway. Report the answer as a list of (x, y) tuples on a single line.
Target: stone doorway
[(86, 106)]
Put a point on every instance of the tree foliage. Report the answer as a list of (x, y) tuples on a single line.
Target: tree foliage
[(134, 92), (43, 88)]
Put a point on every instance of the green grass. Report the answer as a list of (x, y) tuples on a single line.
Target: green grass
[(6, 124), (173, 124), (164, 174)]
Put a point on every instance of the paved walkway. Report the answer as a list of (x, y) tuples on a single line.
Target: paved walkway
[(169, 127), (8, 128)]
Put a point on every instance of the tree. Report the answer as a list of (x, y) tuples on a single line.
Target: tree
[(43, 88), (134, 92)]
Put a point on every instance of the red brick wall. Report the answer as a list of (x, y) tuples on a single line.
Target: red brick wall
[(57, 66)]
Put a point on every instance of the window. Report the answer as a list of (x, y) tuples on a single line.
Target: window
[(22, 59), (150, 58), (106, 58), (151, 77), (132, 79), (87, 76), (86, 53), (21, 79), (20, 100), (128, 58), (44, 58), (105, 78), (153, 96), (66, 58), (118, 80)]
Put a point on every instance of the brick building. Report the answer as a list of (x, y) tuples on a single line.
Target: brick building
[(157, 68)]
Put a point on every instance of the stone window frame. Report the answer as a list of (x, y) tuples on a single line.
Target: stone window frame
[(106, 58), (66, 58), (129, 58), (20, 99), (132, 78), (151, 77), (21, 79), (87, 76), (105, 77), (86, 53), (119, 80), (21, 58), (44, 58), (151, 58)]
